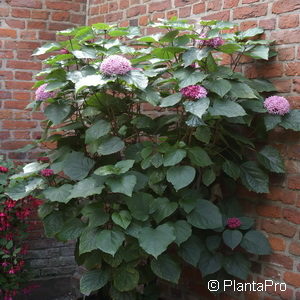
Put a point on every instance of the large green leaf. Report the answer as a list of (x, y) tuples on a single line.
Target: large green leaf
[(136, 78), (57, 112), (95, 213), (256, 243), (181, 176), (155, 241), (47, 48), (109, 145), (87, 241), (220, 86), (270, 158), (237, 265), (109, 241), (77, 166), (170, 100), (210, 263), (93, 280), (254, 178), (59, 194), (250, 32), (191, 250), (123, 184), (227, 108), (208, 176), (182, 231), (166, 52), (122, 218), (271, 121), (120, 167), (205, 215), (203, 134), (199, 157), (53, 223), (126, 278), (192, 78), (71, 230), (194, 54), (232, 238), (140, 205), (241, 90), (97, 130), (174, 157), (86, 187), (231, 169), (291, 120), (197, 108), (166, 268), (164, 208), (258, 52), (87, 81)]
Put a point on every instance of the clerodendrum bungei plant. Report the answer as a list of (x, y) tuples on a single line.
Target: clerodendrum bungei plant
[(143, 190)]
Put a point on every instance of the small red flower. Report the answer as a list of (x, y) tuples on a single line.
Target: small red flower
[(47, 172), (3, 169), (64, 51), (233, 223)]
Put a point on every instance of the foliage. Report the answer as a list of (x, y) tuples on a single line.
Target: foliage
[(128, 183), (14, 275)]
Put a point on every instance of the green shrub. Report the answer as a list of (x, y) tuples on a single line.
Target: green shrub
[(144, 191)]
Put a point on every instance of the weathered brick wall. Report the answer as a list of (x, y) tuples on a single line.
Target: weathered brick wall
[(25, 25), (278, 213)]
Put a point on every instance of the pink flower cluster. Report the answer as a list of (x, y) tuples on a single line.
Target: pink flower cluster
[(214, 42), (115, 65), (194, 92), (47, 172), (277, 105), (3, 169), (41, 94), (233, 223)]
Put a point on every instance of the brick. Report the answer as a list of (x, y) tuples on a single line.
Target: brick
[(4, 11), (247, 25), (60, 16), (159, 6), (283, 86), (292, 68), (179, 3), (21, 135), (136, 10), (283, 6), (293, 152), (292, 279), (24, 54), (288, 21), (6, 54), (291, 215), (26, 3), (143, 21), (10, 33), (296, 87), (113, 17), (172, 13), (48, 36), (6, 75), (250, 11), (213, 5), (15, 23), (62, 5), (277, 244), (124, 4), (267, 70), (269, 211), (21, 45), (287, 53), (286, 36), (18, 85), (294, 182), (295, 248), (29, 65), (36, 25), (40, 14), (77, 19), (223, 15), (198, 8), (5, 114), (230, 3), (267, 24), (18, 124), (20, 13), (249, 1), (280, 260), (29, 35), (13, 145), (278, 227), (271, 273), (184, 12), (23, 75), (58, 26), (112, 6)]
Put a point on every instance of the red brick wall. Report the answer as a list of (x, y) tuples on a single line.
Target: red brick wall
[(278, 213), (25, 25)]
